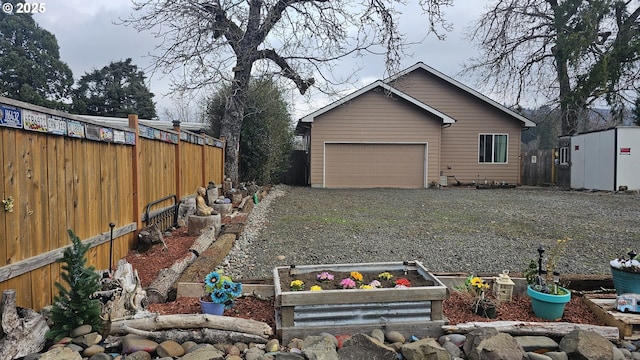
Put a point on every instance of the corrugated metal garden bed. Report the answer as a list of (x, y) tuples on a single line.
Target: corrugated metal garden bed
[(416, 310)]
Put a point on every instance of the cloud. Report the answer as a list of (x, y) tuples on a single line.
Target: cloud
[(89, 39)]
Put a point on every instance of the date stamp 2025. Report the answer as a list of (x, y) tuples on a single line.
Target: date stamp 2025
[(23, 8)]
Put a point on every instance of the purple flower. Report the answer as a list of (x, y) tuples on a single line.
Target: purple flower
[(375, 284)]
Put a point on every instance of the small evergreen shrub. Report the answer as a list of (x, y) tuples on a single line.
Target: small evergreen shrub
[(73, 307)]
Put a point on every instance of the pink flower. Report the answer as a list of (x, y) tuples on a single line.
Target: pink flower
[(375, 284), (347, 283), (324, 276)]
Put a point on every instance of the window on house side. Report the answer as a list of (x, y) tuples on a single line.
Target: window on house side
[(492, 148), (564, 155)]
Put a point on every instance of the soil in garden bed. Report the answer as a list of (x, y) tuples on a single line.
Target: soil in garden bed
[(310, 279)]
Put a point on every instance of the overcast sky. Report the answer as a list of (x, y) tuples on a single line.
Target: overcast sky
[(89, 40)]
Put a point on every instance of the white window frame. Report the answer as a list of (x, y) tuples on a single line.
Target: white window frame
[(493, 144), (564, 155)]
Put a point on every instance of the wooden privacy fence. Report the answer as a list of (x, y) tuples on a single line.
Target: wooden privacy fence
[(538, 167), (61, 171)]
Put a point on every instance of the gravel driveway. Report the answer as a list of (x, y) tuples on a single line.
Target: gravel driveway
[(449, 230)]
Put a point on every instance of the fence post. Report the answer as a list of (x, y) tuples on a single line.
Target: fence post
[(135, 164), (204, 158), (176, 127)]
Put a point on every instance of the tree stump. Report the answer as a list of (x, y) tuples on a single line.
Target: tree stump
[(197, 224), (22, 331)]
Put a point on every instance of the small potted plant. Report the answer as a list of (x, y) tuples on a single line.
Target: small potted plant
[(548, 298), (625, 272), (220, 291)]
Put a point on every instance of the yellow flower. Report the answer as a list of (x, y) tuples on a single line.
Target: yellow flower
[(296, 285), (366, 287), (315, 288), (476, 282), (385, 276), (356, 276)]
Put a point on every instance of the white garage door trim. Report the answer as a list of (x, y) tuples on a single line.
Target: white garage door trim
[(324, 155)]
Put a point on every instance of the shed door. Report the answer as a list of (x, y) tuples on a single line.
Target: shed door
[(375, 165)]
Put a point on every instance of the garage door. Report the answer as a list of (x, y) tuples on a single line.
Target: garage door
[(375, 165)]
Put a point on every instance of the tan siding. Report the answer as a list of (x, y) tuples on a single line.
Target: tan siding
[(460, 141), (377, 118)]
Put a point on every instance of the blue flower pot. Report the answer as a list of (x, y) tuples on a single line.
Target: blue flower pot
[(211, 308), (625, 282), (548, 306)]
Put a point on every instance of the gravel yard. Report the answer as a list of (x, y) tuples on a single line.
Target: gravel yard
[(448, 230)]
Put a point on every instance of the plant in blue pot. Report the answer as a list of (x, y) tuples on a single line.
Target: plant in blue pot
[(548, 298), (220, 292), (625, 272)]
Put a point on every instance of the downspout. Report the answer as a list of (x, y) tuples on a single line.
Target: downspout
[(615, 159)]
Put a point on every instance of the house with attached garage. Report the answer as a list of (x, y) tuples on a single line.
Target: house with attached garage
[(416, 128)]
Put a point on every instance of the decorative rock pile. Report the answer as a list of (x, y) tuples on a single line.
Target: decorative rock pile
[(480, 344)]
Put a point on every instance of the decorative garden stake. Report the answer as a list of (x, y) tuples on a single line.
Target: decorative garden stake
[(540, 252)]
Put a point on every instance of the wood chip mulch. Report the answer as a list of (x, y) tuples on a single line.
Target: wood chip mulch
[(456, 309)]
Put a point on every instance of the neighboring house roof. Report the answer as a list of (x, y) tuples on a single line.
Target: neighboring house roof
[(124, 122), (378, 83), (423, 66)]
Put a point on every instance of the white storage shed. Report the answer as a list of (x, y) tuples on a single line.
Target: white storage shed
[(606, 159)]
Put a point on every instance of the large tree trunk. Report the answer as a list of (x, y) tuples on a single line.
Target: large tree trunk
[(231, 124), (22, 331)]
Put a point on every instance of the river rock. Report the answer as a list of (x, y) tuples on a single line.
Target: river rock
[(272, 345), (92, 350), (362, 346), (537, 344), (87, 339), (378, 334), (319, 347), (489, 344), (207, 352), (426, 348), (61, 353), (169, 348), (253, 354), (134, 343), (139, 355), (581, 344), (101, 356), (81, 330), (394, 336)]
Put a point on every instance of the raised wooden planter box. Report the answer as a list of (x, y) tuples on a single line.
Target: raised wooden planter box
[(412, 311)]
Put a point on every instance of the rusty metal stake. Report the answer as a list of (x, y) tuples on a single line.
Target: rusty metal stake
[(111, 225)]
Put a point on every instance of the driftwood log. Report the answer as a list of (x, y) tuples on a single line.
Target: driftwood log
[(204, 335), (22, 331), (121, 294), (557, 329), (149, 236), (155, 322), (158, 290)]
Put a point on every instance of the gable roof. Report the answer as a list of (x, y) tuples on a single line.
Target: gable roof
[(378, 83), (461, 86)]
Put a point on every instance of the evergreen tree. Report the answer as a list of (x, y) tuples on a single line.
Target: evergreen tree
[(117, 89), (73, 307), (266, 138), (30, 66)]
